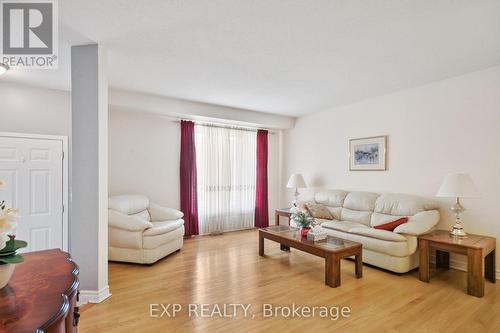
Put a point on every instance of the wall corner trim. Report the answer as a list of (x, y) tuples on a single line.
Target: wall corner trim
[(94, 296)]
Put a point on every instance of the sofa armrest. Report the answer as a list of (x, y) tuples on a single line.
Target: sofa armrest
[(160, 213), (419, 223), (126, 222)]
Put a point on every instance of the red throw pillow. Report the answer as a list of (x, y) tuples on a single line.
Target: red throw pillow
[(390, 226)]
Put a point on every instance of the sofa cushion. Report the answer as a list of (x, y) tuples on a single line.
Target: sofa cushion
[(419, 223), (364, 201), (335, 211), (152, 242), (319, 211), (129, 204), (331, 198), (356, 216), (126, 222), (321, 221), (125, 239), (144, 215), (403, 204), (342, 225), (379, 234), (160, 213), (397, 249), (163, 227)]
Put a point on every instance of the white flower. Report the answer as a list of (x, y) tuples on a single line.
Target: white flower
[(8, 220), (3, 240), (3, 184)]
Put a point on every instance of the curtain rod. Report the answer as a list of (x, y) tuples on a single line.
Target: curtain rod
[(218, 125)]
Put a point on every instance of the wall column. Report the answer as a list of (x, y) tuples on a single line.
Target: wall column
[(88, 225)]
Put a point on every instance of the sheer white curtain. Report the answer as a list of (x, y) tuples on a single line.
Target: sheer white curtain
[(226, 163)]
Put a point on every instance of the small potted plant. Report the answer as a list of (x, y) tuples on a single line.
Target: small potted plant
[(302, 219), (8, 242)]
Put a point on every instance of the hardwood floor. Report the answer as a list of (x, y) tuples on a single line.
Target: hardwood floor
[(227, 269)]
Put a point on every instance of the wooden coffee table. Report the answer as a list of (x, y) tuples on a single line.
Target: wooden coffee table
[(332, 249)]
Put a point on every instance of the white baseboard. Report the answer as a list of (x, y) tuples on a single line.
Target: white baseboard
[(461, 265), (94, 296)]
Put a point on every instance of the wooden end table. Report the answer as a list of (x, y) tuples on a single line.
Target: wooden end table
[(332, 249), (42, 294), (480, 252), (285, 212)]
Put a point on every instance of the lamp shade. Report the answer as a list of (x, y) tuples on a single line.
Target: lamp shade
[(457, 185), (296, 181)]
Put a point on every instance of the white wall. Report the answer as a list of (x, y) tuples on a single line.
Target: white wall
[(34, 110), (134, 101), (144, 153), (30, 109), (144, 156), (447, 126), (133, 130), (144, 143)]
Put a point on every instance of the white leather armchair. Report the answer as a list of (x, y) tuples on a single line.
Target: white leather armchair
[(141, 231)]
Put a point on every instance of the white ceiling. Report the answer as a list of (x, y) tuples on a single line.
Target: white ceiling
[(284, 57)]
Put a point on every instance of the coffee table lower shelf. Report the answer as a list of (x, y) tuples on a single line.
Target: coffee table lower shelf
[(332, 255)]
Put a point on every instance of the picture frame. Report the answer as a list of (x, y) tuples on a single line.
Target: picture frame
[(368, 154)]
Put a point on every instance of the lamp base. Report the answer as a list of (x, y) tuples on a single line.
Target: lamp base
[(458, 231), (296, 195)]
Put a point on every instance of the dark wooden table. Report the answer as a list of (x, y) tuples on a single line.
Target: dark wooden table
[(285, 212), (41, 295), (332, 249), (480, 252)]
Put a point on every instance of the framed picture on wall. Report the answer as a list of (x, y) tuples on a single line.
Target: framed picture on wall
[(367, 154)]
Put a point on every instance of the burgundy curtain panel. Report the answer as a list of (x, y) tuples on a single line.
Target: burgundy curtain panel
[(189, 200), (261, 200)]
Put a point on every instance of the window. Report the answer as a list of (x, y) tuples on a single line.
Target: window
[(226, 167)]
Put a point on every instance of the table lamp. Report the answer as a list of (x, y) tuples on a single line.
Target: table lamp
[(296, 181), (457, 185)]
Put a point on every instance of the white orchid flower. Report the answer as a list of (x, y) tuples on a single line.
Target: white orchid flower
[(8, 220), (3, 240)]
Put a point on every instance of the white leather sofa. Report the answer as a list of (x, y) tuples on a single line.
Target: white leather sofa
[(356, 213), (141, 231)]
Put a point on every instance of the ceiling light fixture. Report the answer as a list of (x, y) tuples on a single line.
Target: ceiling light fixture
[(3, 68)]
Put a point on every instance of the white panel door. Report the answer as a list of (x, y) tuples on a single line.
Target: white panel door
[(33, 171)]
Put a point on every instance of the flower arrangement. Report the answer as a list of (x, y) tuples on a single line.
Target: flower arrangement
[(8, 242), (302, 218)]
